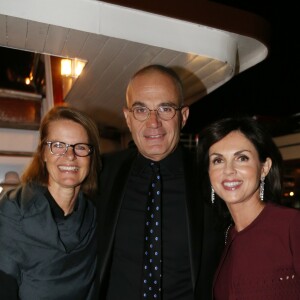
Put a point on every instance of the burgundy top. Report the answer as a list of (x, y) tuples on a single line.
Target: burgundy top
[(262, 261)]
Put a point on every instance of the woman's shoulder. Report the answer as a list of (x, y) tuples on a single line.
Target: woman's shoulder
[(281, 212), (16, 202), (279, 208), (10, 201)]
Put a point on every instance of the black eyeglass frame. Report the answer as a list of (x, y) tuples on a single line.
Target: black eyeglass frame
[(50, 143), (132, 110)]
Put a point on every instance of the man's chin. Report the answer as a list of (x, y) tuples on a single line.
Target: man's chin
[(155, 152)]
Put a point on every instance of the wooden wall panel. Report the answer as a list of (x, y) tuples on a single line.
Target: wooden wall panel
[(19, 113)]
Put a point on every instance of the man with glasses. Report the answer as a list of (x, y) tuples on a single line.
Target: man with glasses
[(155, 114)]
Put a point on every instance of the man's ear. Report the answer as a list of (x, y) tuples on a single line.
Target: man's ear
[(127, 118), (184, 115)]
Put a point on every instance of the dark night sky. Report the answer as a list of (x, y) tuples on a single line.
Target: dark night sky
[(268, 90)]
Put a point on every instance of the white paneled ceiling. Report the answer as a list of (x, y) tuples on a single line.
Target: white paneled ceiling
[(117, 41)]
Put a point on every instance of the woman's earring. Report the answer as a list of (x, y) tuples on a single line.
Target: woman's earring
[(262, 188), (212, 195)]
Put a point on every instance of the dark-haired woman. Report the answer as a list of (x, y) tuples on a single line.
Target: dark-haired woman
[(242, 176)]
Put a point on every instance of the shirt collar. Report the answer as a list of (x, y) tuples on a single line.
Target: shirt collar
[(171, 164)]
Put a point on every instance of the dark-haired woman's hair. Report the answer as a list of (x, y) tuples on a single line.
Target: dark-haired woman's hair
[(263, 143), (37, 172)]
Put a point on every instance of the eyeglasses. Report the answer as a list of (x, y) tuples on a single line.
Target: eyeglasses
[(79, 149), (164, 112)]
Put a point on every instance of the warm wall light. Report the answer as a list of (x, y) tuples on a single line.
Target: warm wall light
[(27, 80), (72, 67), (66, 67), (79, 65)]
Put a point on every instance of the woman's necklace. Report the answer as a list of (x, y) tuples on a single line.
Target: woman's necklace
[(226, 233)]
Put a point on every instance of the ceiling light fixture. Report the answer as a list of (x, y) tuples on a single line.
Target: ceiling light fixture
[(72, 67)]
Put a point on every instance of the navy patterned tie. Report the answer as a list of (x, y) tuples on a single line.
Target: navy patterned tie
[(152, 250)]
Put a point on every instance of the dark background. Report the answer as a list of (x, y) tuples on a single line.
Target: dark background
[(267, 91)]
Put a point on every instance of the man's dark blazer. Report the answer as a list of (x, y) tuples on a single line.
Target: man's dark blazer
[(205, 242)]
